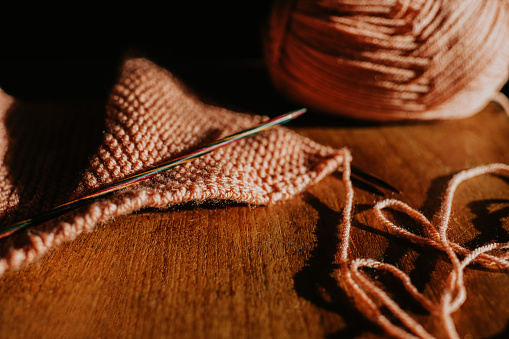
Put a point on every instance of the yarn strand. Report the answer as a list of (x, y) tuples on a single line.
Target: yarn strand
[(367, 296)]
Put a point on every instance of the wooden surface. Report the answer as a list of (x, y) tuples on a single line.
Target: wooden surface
[(224, 270)]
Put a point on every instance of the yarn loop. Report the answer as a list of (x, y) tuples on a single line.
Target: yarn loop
[(367, 295)]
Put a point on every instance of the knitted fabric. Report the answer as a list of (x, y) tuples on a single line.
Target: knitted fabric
[(44, 150)]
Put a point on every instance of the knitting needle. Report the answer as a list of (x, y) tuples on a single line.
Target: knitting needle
[(133, 179), (372, 179)]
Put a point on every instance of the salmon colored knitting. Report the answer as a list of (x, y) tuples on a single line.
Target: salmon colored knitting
[(150, 117)]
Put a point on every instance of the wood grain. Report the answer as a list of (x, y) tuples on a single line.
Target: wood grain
[(224, 270)]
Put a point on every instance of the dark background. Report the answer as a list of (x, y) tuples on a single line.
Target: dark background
[(216, 49)]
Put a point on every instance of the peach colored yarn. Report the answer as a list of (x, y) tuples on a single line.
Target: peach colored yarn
[(368, 297), (390, 59), (151, 117)]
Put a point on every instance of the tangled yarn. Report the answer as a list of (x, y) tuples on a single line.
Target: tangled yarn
[(389, 60), (367, 295)]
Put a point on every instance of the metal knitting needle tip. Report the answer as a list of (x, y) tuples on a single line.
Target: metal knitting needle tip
[(370, 178)]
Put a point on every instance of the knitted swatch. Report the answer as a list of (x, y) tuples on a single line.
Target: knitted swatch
[(44, 150)]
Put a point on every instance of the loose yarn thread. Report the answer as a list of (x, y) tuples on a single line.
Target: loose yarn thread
[(389, 60), (366, 294)]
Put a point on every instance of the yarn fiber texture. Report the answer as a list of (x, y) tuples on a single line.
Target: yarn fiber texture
[(387, 60), (371, 298), (150, 117)]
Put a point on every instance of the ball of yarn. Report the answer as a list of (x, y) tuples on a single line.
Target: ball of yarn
[(389, 60)]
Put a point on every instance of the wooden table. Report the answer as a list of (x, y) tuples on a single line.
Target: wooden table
[(226, 270)]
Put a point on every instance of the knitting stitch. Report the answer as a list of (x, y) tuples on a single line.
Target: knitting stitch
[(150, 117)]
